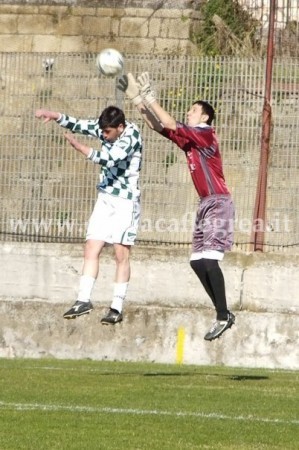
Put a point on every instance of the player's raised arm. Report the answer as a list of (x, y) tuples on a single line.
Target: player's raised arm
[(129, 86), (149, 118), (47, 115), (81, 148), (150, 100)]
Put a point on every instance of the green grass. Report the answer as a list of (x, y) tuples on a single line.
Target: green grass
[(57, 404)]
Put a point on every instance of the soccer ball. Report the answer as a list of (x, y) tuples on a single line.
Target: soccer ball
[(110, 62)]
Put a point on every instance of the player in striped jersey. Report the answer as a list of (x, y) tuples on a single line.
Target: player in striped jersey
[(115, 216), (213, 230)]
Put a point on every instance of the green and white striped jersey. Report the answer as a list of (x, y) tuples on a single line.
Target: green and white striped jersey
[(120, 160)]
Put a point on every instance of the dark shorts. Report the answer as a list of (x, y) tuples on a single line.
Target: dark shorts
[(214, 224)]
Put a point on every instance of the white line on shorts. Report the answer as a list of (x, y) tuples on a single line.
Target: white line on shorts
[(139, 412)]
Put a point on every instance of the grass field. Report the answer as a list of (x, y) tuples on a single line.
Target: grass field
[(66, 404)]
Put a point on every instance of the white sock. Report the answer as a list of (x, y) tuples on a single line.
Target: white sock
[(119, 295), (85, 288)]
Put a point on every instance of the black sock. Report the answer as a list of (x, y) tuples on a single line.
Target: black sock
[(211, 277), (216, 281), (200, 269)]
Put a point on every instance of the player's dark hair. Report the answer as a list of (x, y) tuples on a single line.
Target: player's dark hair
[(206, 109), (112, 117)]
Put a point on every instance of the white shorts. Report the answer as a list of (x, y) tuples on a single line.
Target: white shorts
[(114, 220)]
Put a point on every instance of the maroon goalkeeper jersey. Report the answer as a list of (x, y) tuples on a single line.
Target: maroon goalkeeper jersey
[(203, 157)]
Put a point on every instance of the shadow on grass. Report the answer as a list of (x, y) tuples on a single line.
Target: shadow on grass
[(188, 374), (247, 377)]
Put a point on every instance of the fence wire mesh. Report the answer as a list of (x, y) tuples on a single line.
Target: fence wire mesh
[(47, 190), (286, 24)]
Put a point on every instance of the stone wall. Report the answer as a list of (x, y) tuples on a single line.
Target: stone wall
[(89, 26)]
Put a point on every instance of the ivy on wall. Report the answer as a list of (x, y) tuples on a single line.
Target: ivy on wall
[(226, 28)]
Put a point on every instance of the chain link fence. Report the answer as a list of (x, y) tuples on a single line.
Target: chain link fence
[(47, 190)]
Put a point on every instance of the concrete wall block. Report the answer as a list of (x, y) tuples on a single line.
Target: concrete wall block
[(139, 12), (111, 12), (132, 27), (168, 13), (52, 10), (114, 28), (169, 46), (188, 48), (18, 9), (33, 329), (175, 28), (77, 43), (44, 43), (265, 289), (250, 283), (154, 27), (97, 26), (164, 28), (190, 13), (133, 45), (83, 11), (94, 44), (9, 24), (15, 43), (70, 25), (178, 27), (41, 24), (39, 282)]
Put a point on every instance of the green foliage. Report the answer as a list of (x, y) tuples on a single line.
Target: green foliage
[(171, 158), (45, 95), (237, 26), (208, 81), (62, 217), (176, 100)]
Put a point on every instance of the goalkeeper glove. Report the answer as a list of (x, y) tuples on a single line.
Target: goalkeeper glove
[(128, 85), (145, 88)]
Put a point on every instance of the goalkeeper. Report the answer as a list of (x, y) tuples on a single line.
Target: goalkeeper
[(213, 229)]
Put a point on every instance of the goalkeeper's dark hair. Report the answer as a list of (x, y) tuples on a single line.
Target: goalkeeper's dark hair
[(206, 109), (112, 117)]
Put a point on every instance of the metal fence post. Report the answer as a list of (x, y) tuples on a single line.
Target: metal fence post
[(258, 228)]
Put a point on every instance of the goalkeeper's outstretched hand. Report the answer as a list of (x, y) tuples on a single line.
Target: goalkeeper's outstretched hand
[(145, 88), (129, 86)]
